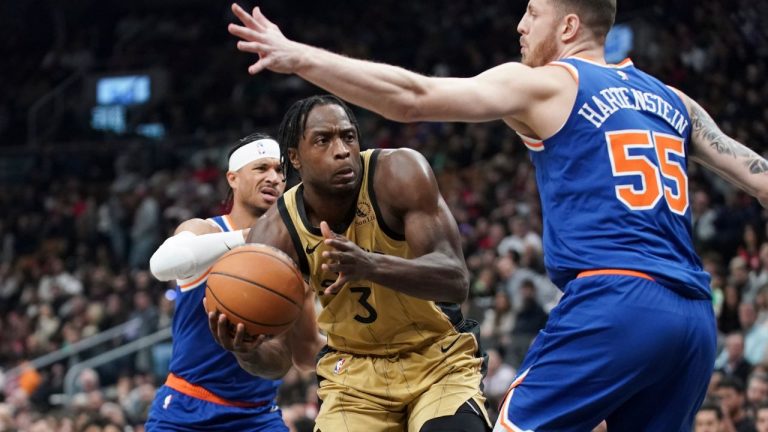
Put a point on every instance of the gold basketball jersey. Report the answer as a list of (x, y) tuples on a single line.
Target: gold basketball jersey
[(364, 317)]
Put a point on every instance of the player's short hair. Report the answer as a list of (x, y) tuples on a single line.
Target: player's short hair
[(710, 405), (732, 382), (762, 406), (597, 15), (294, 123)]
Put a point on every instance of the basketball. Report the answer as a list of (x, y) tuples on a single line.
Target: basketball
[(257, 285)]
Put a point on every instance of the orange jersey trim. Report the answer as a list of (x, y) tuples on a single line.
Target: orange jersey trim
[(615, 272), (192, 390), (196, 281)]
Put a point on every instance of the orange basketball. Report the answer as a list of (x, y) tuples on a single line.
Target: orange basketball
[(257, 285)]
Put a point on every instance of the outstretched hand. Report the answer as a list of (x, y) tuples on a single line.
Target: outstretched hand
[(260, 36), (346, 258), (232, 337)]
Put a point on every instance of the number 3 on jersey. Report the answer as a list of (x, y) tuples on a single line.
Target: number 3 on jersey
[(652, 176)]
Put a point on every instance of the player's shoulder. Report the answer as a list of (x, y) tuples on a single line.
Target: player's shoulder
[(402, 165), (404, 179), (198, 226), (399, 156)]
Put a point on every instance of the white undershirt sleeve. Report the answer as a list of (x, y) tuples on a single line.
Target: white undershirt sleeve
[(187, 254)]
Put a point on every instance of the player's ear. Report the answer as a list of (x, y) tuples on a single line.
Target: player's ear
[(570, 27), (293, 157), (232, 179)]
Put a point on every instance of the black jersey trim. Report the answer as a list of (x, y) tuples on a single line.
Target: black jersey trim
[(285, 215), (372, 194)]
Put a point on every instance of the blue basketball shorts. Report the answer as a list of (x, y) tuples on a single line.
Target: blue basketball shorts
[(175, 411), (619, 348)]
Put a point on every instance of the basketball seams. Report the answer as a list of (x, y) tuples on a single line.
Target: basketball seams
[(272, 290), (278, 254), (281, 288), (228, 311)]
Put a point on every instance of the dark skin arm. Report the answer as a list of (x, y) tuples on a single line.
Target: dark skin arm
[(407, 193), (264, 356)]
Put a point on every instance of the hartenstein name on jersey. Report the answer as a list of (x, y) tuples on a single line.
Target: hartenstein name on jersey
[(612, 99)]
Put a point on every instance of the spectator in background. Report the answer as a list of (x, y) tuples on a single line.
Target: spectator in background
[(708, 418), (730, 391), (144, 322), (761, 418), (497, 379), (758, 277), (749, 249), (728, 320), (757, 391), (522, 240), (145, 229), (739, 275), (531, 317), (755, 335), (498, 322), (704, 218), (512, 275), (731, 361)]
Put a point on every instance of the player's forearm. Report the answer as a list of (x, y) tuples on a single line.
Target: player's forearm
[(433, 276), (305, 352), (732, 160), (270, 360), (185, 254), (388, 90)]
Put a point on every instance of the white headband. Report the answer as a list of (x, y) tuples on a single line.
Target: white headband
[(259, 149)]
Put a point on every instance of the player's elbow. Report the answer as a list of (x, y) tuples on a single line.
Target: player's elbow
[(169, 263), (762, 197), (159, 268), (460, 286), (273, 371)]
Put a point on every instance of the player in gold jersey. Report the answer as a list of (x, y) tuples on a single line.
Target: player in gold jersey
[(380, 248)]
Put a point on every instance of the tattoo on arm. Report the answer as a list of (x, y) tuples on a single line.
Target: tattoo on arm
[(705, 130)]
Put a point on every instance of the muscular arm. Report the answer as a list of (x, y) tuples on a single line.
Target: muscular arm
[(271, 359), (304, 338), (395, 93), (735, 162), (408, 196)]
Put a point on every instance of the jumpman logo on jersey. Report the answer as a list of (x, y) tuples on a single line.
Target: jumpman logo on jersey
[(623, 75)]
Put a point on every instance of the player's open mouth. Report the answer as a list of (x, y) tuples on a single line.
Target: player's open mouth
[(269, 194)]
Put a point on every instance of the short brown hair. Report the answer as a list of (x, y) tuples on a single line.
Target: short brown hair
[(597, 15)]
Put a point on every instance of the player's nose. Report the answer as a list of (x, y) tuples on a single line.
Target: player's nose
[(340, 148)]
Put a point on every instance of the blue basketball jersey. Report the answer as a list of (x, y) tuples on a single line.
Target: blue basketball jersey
[(613, 182), (198, 359)]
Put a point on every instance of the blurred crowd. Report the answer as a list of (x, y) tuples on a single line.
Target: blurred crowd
[(78, 228)]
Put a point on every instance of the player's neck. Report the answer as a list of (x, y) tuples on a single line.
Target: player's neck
[(242, 218), (589, 50), (334, 209)]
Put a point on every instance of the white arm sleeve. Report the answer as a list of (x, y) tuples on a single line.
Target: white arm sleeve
[(186, 254)]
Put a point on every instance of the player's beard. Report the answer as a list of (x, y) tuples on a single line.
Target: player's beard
[(543, 53)]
